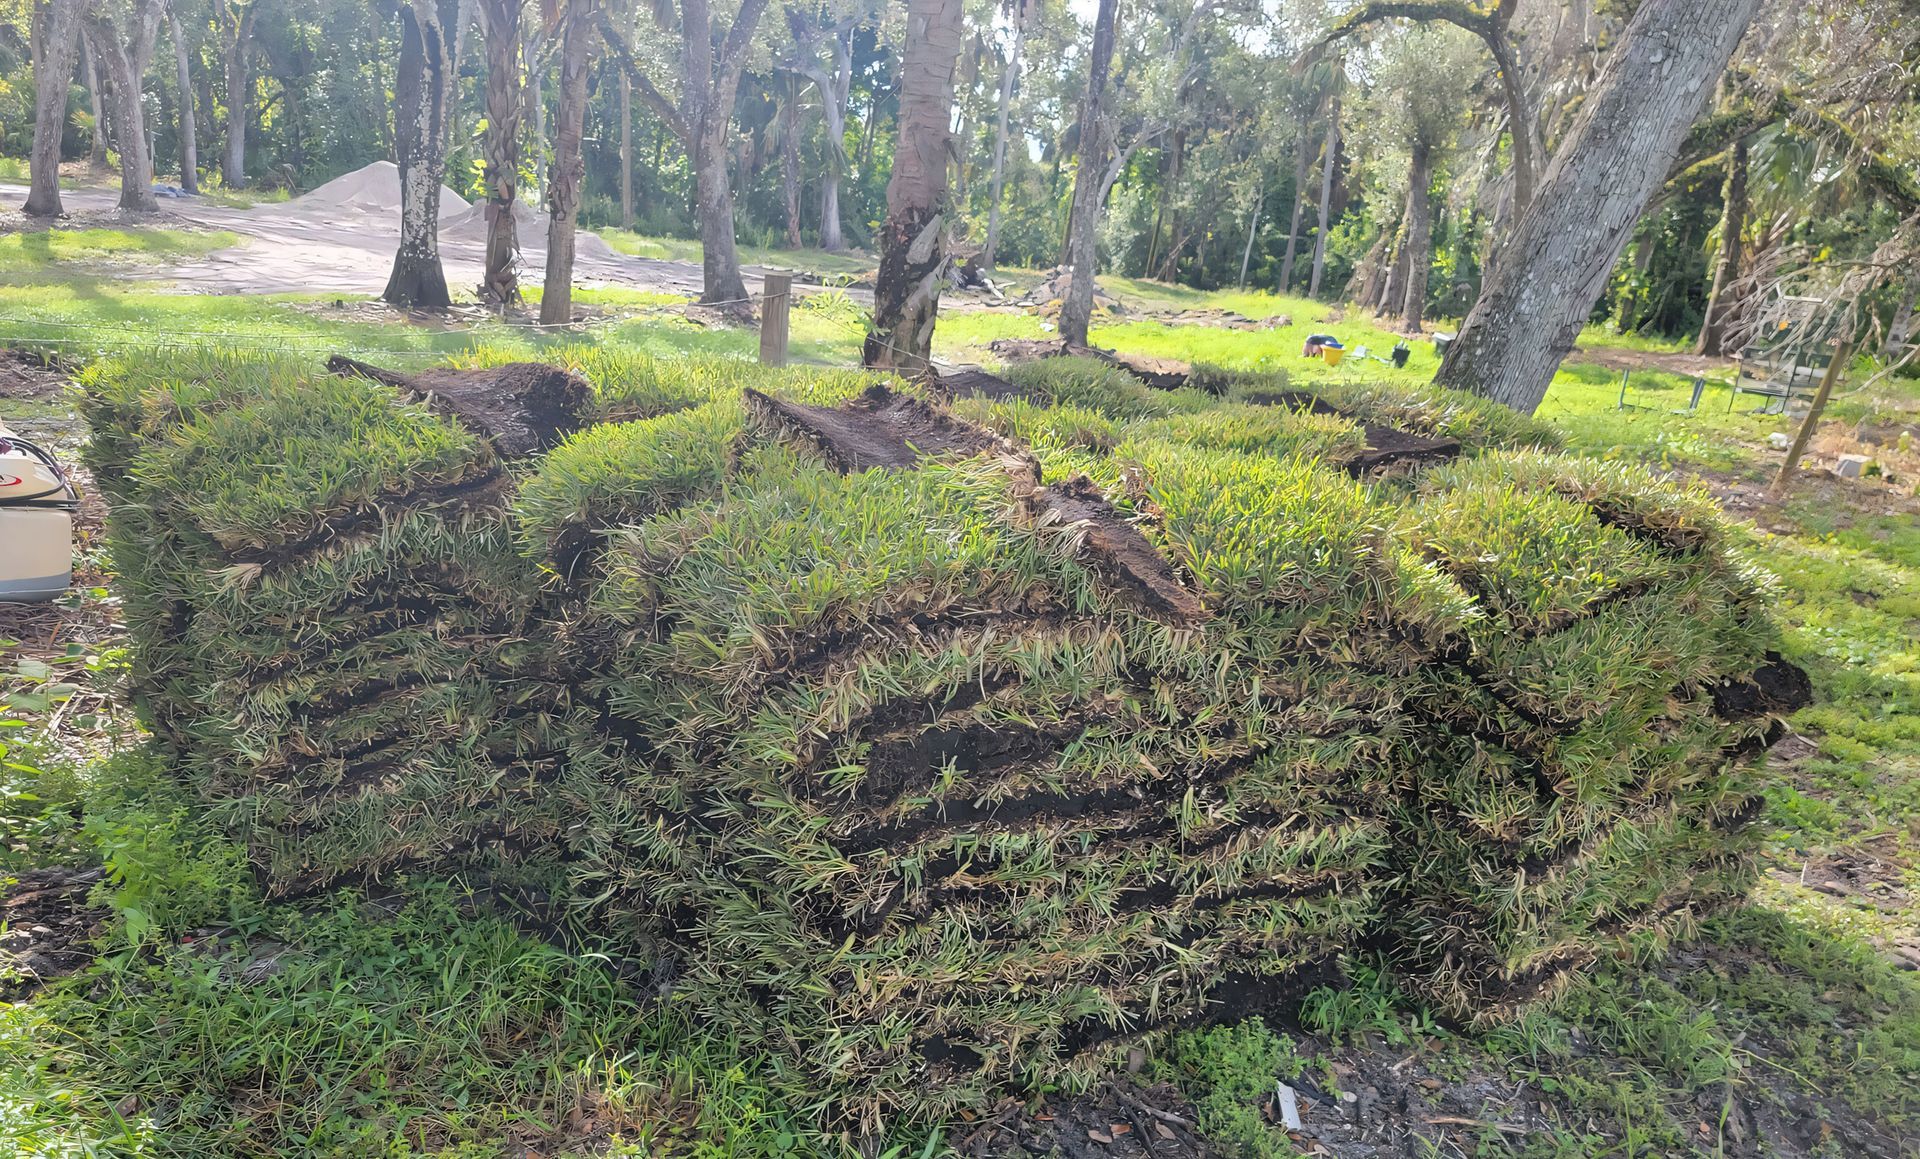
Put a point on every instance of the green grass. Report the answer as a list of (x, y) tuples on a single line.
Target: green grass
[(32, 254), (828, 266), (415, 1026)]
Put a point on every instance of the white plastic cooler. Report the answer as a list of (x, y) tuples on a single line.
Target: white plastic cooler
[(36, 522)]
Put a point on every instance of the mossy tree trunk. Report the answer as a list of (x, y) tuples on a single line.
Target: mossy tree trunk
[(422, 89), (1554, 265), (913, 263), (1733, 228), (56, 42)]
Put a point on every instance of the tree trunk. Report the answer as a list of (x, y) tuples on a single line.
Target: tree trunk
[(1413, 307), (236, 53), (1364, 287), (1303, 159), (500, 284), (420, 139), (1083, 232), (1253, 231), (790, 162), (626, 151), (569, 163), (90, 66), (1329, 170), (1008, 79), (125, 40), (1553, 267), (56, 40), (1900, 331), (721, 280), (189, 147), (913, 261), (537, 109), (1733, 228), (833, 105)]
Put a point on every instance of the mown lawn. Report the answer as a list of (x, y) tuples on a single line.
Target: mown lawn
[(406, 1020)]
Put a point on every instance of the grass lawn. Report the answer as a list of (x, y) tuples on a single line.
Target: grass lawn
[(403, 1020)]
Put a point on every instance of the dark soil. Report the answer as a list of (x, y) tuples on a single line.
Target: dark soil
[(1391, 449), (1115, 1120), (1159, 373), (1778, 687), (878, 429), (25, 375), (49, 929), (1118, 550), (972, 382), (522, 408)]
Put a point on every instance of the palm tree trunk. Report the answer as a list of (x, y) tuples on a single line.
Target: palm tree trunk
[(500, 20)]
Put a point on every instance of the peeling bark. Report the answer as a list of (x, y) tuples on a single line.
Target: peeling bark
[(1554, 265), (56, 41), (913, 261)]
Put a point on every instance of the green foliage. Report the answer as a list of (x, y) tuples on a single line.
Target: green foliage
[(1230, 1073)]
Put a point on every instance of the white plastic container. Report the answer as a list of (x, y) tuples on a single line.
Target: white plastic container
[(36, 522)]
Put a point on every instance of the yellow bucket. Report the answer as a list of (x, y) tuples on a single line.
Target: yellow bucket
[(1333, 354)]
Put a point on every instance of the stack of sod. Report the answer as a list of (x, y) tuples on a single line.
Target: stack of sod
[(952, 773), (948, 749), (331, 616)]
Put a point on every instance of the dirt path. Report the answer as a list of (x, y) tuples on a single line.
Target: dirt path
[(299, 247)]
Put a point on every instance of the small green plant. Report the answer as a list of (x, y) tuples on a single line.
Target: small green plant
[(1230, 1073)]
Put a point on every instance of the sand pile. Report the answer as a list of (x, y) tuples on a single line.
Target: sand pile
[(470, 224), (372, 188)]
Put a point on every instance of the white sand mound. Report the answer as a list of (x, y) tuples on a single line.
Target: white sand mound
[(530, 225), (373, 188)]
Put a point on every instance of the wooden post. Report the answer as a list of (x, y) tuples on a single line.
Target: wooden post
[(775, 297), (1842, 353)]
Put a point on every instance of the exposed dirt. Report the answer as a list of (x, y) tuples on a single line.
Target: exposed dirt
[(973, 382), (1219, 319), (522, 408), (1159, 373), (1390, 449), (1617, 358), (49, 929), (1116, 547), (878, 429), (25, 376), (1778, 687), (1115, 1120)]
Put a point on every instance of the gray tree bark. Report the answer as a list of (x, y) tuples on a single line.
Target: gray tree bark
[(1083, 233), (535, 52), (124, 37), (420, 141), (500, 25), (569, 162), (1553, 267), (94, 76), (1253, 230), (1008, 80), (1303, 161), (790, 161), (626, 151), (236, 55), (1329, 169), (913, 259), (1413, 306), (56, 41), (1733, 227), (189, 146)]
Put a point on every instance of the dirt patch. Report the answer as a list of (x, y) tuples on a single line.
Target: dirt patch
[(1115, 1120), (1117, 549), (1778, 687), (1616, 358), (49, 929), (1219, 319), (26, 376), (973, 382), (1159, 373), (522, 408), (878, 429), (1390, 449)]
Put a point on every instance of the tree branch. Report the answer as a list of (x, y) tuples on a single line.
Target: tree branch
[(643, 85)]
